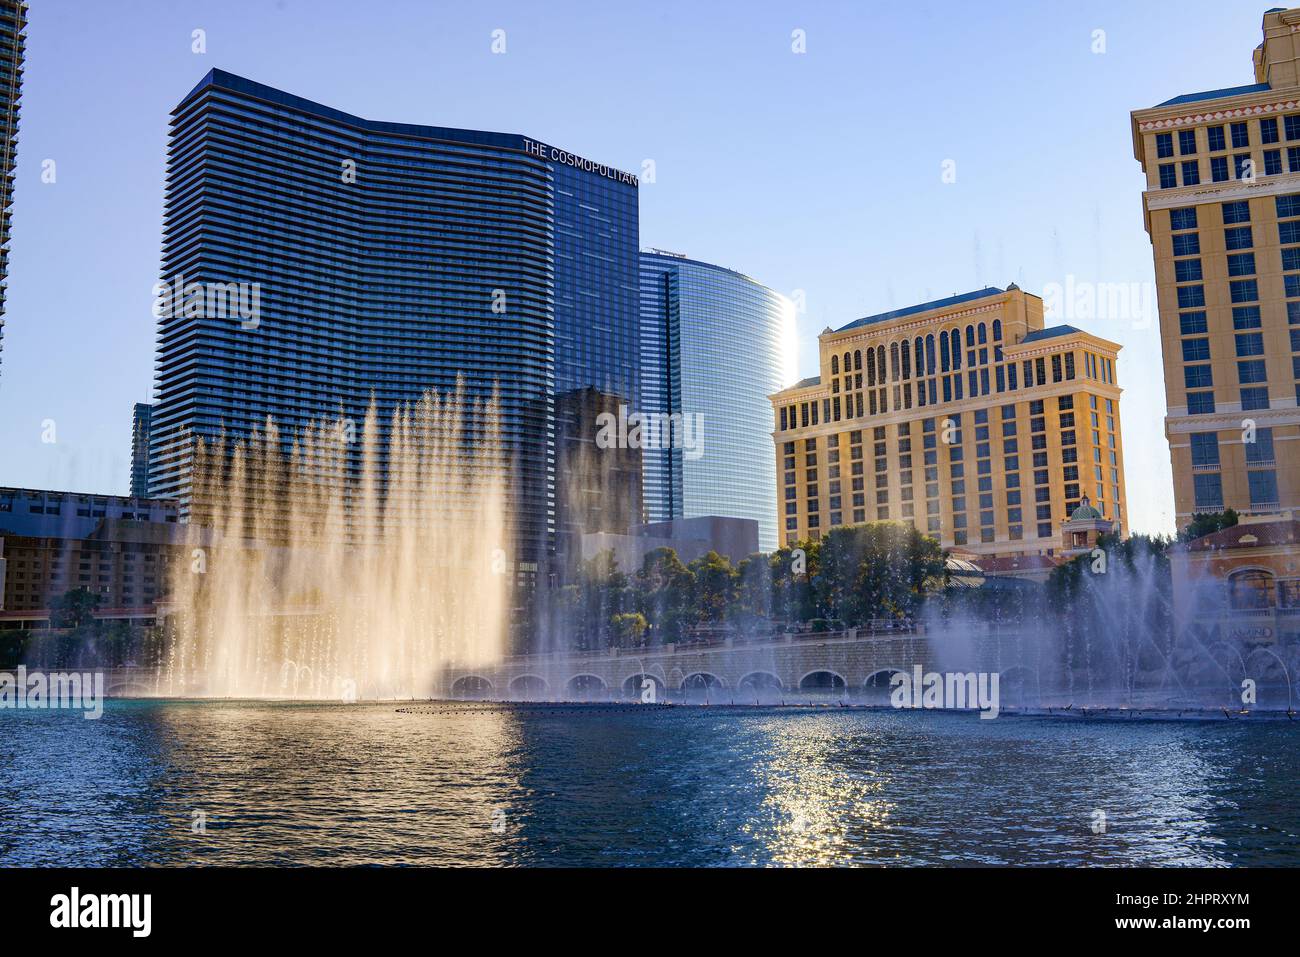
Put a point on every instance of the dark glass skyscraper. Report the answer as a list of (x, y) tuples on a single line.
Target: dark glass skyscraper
[(715, 344), (13, 21), (141, 422), (383, 259)]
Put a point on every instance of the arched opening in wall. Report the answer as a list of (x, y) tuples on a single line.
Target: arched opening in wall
[(1273, 682), (876, 689), (646, 688), (529, 688), (586, 688), (1250, 589), (701, 688), (823, 684), (760, 687), (471, 688)]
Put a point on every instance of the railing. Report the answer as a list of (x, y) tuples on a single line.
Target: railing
[(877, 629)]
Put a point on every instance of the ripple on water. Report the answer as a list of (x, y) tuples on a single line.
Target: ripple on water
[(503, 785)]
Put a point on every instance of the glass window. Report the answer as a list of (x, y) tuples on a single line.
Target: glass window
[(1263, 488), (1250, 343), (1205, 448), (1239, 264), (1260, 452), (1245, 317), (1237, 212), (1250, 589), (1254, 398), (1198, 377), (1288, 205), (1208, 488), (1250, 372), (1238, 237)]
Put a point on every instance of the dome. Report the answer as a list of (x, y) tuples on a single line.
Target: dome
[(1086, 513)]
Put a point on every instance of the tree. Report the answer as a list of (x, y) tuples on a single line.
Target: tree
[(793, 570), (74, 609), (715, 586), (14, 646), (753, 591), (629, 628), (1114, 609), (1207, 523), (663, 593), (876, 570)]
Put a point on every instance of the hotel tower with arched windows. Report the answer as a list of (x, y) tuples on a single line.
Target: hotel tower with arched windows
[(964, 417)]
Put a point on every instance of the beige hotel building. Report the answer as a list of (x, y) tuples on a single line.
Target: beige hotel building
[(1222, 207), (964, 417)]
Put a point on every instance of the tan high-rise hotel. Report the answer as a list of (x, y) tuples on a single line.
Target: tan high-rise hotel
[(1222, 207), (964, 417)]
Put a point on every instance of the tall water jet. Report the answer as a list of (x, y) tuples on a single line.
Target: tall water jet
[(350, 567)]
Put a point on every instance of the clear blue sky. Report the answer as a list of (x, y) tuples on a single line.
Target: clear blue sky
[(817, 172)]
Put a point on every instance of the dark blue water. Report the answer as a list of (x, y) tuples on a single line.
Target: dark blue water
[(502, 785)]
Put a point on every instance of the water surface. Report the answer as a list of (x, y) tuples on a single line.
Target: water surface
[(490, 784)]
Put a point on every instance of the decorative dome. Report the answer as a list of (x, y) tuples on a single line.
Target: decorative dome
[(1086, 513)]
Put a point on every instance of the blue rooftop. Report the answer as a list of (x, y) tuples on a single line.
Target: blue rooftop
[(1216, 94), (924, 307), (1051, 332), (804, 383)]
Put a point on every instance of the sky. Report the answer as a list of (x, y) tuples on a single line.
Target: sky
[(912, 151)]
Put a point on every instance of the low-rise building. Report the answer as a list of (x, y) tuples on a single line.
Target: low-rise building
[(1240, 585), (120, 549)]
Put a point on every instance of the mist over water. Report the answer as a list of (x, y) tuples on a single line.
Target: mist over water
[(357, 566)]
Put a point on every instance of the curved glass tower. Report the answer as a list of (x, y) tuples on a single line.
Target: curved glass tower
[(316, 260), (714, 345)]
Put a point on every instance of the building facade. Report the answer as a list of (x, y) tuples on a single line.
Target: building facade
[(1222, 207), (375, 259), (1241, 585), (714, 345), (118, 548), (13, 26), (141, 420), (964, 417)]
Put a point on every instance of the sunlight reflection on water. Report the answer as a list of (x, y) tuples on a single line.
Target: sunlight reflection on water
[(622, 785)]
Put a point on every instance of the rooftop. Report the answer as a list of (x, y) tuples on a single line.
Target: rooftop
[(1052, 332), (1248, 535), (221, 79), (985, 293), (1216, 94), (1014, 563)]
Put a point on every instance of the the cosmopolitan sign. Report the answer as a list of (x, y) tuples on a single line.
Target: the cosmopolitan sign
[(565, 158)]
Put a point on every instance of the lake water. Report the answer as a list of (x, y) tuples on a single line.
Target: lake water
[(180, 782)]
